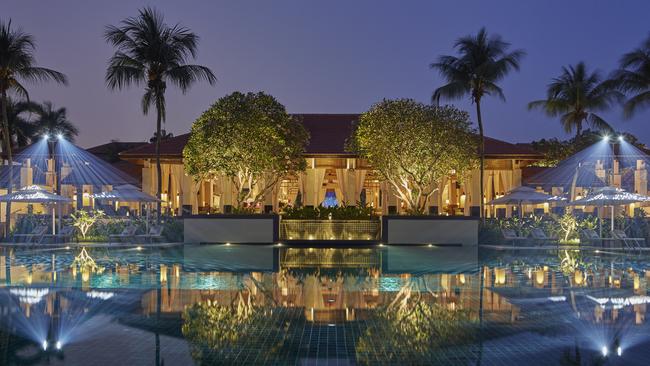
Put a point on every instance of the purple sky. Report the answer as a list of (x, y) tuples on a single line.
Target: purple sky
[(329, 56)]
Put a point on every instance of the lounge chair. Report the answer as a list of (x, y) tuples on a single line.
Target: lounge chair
[(36, 236), (539, 236), (65, 235), (630, 243), (509, 235), (155, 233), (128, 233)]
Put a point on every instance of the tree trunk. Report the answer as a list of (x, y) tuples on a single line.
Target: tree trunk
[(7, 146), (158, 167), (481, 151)]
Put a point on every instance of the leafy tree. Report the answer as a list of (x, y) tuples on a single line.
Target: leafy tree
[(54, 121), (576, 96), (150, 52), (84, 220), (634, 77), (481, 63), (17, 64), (414, 146), (249, 138)]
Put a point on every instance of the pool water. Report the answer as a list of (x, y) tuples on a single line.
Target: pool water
[(269, 305)]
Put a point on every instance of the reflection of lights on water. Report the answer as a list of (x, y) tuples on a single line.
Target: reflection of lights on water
[(100, 295), (138, 248), (29, 295)]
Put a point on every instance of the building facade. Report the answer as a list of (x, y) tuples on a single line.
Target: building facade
[(333, 176)]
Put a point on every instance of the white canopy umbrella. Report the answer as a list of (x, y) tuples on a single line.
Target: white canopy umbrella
[(520, 196), (610, 196), (127, 193), (36, 194)]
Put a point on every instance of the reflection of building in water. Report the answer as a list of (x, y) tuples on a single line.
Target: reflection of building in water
[(335, 285)]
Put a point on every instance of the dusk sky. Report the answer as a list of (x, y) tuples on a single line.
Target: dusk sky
[(329, 56)]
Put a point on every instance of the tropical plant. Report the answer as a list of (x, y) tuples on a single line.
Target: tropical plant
[(84, 220), (250, 139), (576, 96), (481, 63), (17, 64), (633, 77), (53, 121), (414, 146), (150, 52)]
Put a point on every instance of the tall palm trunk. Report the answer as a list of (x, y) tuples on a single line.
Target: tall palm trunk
[(7, 146), (158, 167), (481, 154)]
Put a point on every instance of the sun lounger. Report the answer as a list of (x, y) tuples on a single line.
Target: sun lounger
[(630, 243), (128, 233), (66, 235), (509, 235), (36, 236), (155, 233), (590, 236), (539, 236)]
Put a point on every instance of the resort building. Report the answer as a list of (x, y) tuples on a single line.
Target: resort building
[(333, 176)]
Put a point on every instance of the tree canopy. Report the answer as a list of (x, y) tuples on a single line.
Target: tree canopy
[(249, 138), (414, 146)]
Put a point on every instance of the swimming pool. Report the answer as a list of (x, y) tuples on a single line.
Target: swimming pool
[(219, 304)]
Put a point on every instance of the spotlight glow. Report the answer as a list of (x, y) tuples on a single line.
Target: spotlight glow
[(621, 138), (58, 345), (604, 351), (606, 138), (46, 136), (619, 351), (44, 345), (59, 136), (228, 244)]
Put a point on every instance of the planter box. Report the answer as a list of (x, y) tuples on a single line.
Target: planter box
[(339, 230), (242, 229), (443, 230)]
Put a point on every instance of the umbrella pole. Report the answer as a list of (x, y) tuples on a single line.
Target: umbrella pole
[(600, 221), (53, 220), (612, 217)]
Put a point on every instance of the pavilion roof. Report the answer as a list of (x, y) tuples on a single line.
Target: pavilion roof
[(328, 133)]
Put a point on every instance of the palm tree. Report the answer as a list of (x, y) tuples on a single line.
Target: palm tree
[(575, 96), (54, 121), (634, 77), (21, 129), (17, 65), (481, 63), (151, 53)]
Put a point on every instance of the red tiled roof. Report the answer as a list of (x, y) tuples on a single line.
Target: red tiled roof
[(328, 133)]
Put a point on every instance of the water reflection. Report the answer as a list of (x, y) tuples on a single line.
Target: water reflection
[(217, 304)]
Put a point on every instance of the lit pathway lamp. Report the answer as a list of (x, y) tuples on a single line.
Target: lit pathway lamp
[(609, 196), (37, 194)]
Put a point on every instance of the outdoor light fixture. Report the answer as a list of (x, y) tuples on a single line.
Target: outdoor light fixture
[(621, 138), (606, 138), (619, 351), (44, 345), (604, 351), (228, 244), (59, 136), (58, 345), (46, 136)]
